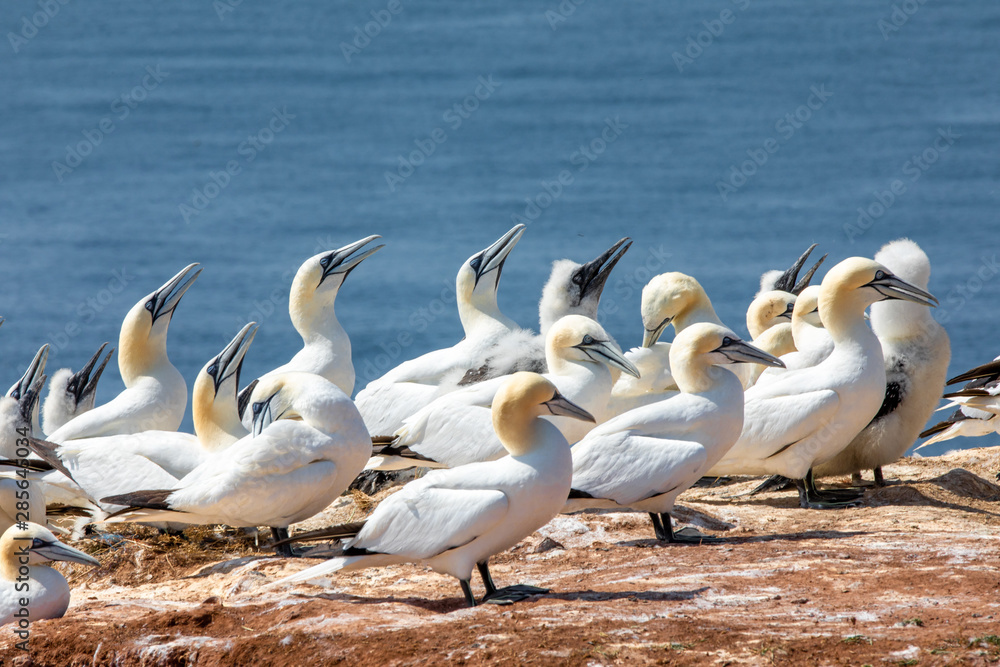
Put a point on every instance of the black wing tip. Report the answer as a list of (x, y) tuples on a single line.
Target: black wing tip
[(343, 531), (989, 370), (577, 493), (152, 500)]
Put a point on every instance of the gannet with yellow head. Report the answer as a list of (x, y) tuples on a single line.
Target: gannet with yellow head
[(457, 428), (769, 321), (387, 401), (307, 445), (916, 353), (27, 584), (117, 464), (806, 417), (644, 458), (455, 520), (155, 394)]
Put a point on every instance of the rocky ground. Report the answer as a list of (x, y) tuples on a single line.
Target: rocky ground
[(912, 577)]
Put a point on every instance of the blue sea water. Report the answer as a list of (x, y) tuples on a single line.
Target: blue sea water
[(115, 116)]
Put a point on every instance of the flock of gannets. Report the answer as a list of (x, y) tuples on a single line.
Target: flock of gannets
[(521, 426)]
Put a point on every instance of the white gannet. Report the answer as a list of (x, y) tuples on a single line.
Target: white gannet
[(978, 406), (916, 351), (40, 591), (387, 401), (674, 298), (572, 289), (155, 394), (118, 464), (308, 444), (35, 370), (769, 321), (644, 458), (806, 417), (813, 342), (326, 347), (72, 394), (457, 428), (655, 381), (454, 520)]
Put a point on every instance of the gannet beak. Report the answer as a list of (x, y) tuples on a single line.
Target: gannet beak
[(604, 352), (892, 287), (788, 311), (739, 351), (341, 261), (493, 257), (35, 369), (263, 414), (650, 336), (164, 300), (229, 362), (789, 280), (594, 274), (29, 399), (59, 551), (561, 406), (82, 383)]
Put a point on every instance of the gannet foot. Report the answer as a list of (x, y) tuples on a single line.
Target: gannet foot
[(692, 536), (826, 500), (709, 482), (772, 483), (512, 594)]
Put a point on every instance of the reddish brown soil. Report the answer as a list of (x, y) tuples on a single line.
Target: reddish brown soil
[(911, 577)]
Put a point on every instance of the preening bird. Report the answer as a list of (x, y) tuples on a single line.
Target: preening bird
[(454, 520)]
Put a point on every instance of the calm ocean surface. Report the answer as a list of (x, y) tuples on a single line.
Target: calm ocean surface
[(114, 118)]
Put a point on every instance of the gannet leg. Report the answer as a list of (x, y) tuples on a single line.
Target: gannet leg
[(831, 495), (879, 478), (283, 550), (507, 595), (682, 537), (484, 572), (809, 502), (661, 535), (470, 599)]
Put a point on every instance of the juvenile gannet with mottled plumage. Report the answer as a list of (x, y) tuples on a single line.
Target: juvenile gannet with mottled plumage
[(25, 582), (308, 443), (117, 464), (155, 394), (806, 417), (387, 401), (916, 351), (457, 428), (978, 405), (72, 394), (454, 520), (326, 347), (644, 458)]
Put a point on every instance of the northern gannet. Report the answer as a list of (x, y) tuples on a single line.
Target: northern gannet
[(72, 394), (26, 383), (326, 347), (387, 401), (978, 406), (916, 351), (813, 342), (454, 520), (155, 394), (307, 445), (674, 298), (21, 497), (769, 321), (644, 458), (457, 428), (40, 591), (118, 464), (806, 417), (572, 289)]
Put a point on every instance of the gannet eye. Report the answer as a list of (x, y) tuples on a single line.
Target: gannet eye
[(588, 340), (325, 262), (577, 278), (150, 305), (257, 407), (212, 370), (727, 341), (879, 275), (37, 544), (476, 262)]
